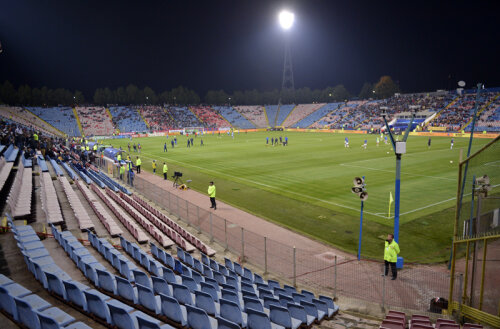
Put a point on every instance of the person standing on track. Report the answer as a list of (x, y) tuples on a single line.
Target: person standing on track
[(451, 144), (165, 169), (211, 194), (154, 166), (165, 147), (391, 252), (138, 163)]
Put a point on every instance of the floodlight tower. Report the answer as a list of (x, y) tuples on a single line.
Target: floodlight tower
[(286, 20), (399, 150)]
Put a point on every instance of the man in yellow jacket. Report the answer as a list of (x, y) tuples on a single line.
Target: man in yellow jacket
[(138, 165), (122, 171), (391, 252), (165, 169), (154, 166), (211, 194)]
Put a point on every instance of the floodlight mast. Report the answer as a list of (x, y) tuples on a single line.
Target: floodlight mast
[(286, 20), (398, 151)]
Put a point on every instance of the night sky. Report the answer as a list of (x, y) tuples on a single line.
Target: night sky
[(235, 45)]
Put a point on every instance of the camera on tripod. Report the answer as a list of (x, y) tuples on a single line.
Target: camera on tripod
[(177, 174)]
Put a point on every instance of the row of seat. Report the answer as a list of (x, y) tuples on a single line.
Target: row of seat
[(19, 303), (108, 310), (101, 213), (191, 239), (143, 221), (81, 215), (5, 168), (50, 203), (122, 215), (79, 170), (164, 227), (27, 163), (70, 171), (397, 320), (11, 153), (19, 198), (112, 183), (56, 167)]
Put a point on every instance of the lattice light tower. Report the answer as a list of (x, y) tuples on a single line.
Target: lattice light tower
[(286, 20)]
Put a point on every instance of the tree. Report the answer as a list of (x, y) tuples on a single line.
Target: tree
[(99, 97), (8, 93), (166, 98), (385, 87), (24, 95), (216, 97), (120, 96), (150, 96), (109, 96), (132, 94), (78, 97), (366, 91), (340, 93)]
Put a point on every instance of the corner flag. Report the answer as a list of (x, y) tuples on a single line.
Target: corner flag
[(391, 200)]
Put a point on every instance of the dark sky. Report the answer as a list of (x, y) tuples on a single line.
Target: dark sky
[(234, 45)]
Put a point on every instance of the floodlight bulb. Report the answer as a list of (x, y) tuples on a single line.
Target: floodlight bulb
[(286, 19)]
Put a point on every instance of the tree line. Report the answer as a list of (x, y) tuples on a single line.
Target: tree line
[(131, 94)]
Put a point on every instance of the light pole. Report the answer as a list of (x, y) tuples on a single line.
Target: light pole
[(399, 150), (229, 101), (360, 190), (286, 20)]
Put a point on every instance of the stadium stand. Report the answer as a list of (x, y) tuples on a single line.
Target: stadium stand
[(271, 112), (19, 198), (28, 120), (316, 115), (254, 114), (283, 112), (398, 320), (127, 119), (50, 203), (184, 117), (489, 118), (61, 118), (234, 117), (330, 120), (81, 215), (301, 111), (95, 121), (157, 118), (209, 117)]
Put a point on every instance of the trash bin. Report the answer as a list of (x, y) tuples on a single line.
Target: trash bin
[(438, 304), (399, 263)]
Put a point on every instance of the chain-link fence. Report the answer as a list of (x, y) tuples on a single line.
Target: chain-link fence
[(326, 272)]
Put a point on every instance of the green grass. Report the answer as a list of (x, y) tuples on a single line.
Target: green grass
[(306, 186)]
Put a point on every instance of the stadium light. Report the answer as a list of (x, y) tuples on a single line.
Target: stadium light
[(286, 19), (359, 188)]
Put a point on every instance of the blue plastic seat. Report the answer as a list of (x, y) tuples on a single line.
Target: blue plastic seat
[(125, 289), (210, 289), (214, 265), (171, 308), (96, 304), (106, 281), (26, 313), (55, 285), (265, 292), (206, 303), (298, 312), (231, 311), (229, 287), (231, 296), (197, 265), (252, 303), (273, 284), (155, 267), (170, 276), (322, 306), (298, 297), (238, 269), (281, 316), (289, 289), (247, 274), (144, 321), (5, 280), (259, 320), (166, 258), (160, 286), (198, 318), (145, 259), (223, 270), (207, 271), (226, 324), (148, 299), (309, 295), (180, 254), (188, 259), (54, 318), (258, 279), (77, 325), (212, 282), (154, 249), (190, 283), (205, 260), (121, 316), (219, 277), (268, 301), (74, 293), (312, 310), (142, 278), (126, 268), (332, 308), (7, 295), (90, 272), (182, 294), (284, 299)]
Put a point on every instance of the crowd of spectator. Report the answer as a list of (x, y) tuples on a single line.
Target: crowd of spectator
[(234, 117), (95, 121), (157, 117), (184, 117), (209, 117), (127, 119), (254, 113)]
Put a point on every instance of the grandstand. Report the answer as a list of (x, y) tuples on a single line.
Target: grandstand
[(95, 121), (28, 119), (127, 119), (301, 111), (283, 113), (209, 117), (61, 118), (184, 117), (234, 117), (316, 115), (489, 117), (254, 114), (271, 112), (157, 118)]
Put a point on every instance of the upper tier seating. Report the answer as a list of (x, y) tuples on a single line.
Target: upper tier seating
[(62, 118), (28, 119), (127, 119), (316, 115), (271, 112), (234, 117), (283, 113), (210, 118), (255, 114), (95, 121), (184, 117), (157, 118)]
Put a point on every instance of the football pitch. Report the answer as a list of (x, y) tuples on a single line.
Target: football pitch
[(306, 186)]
